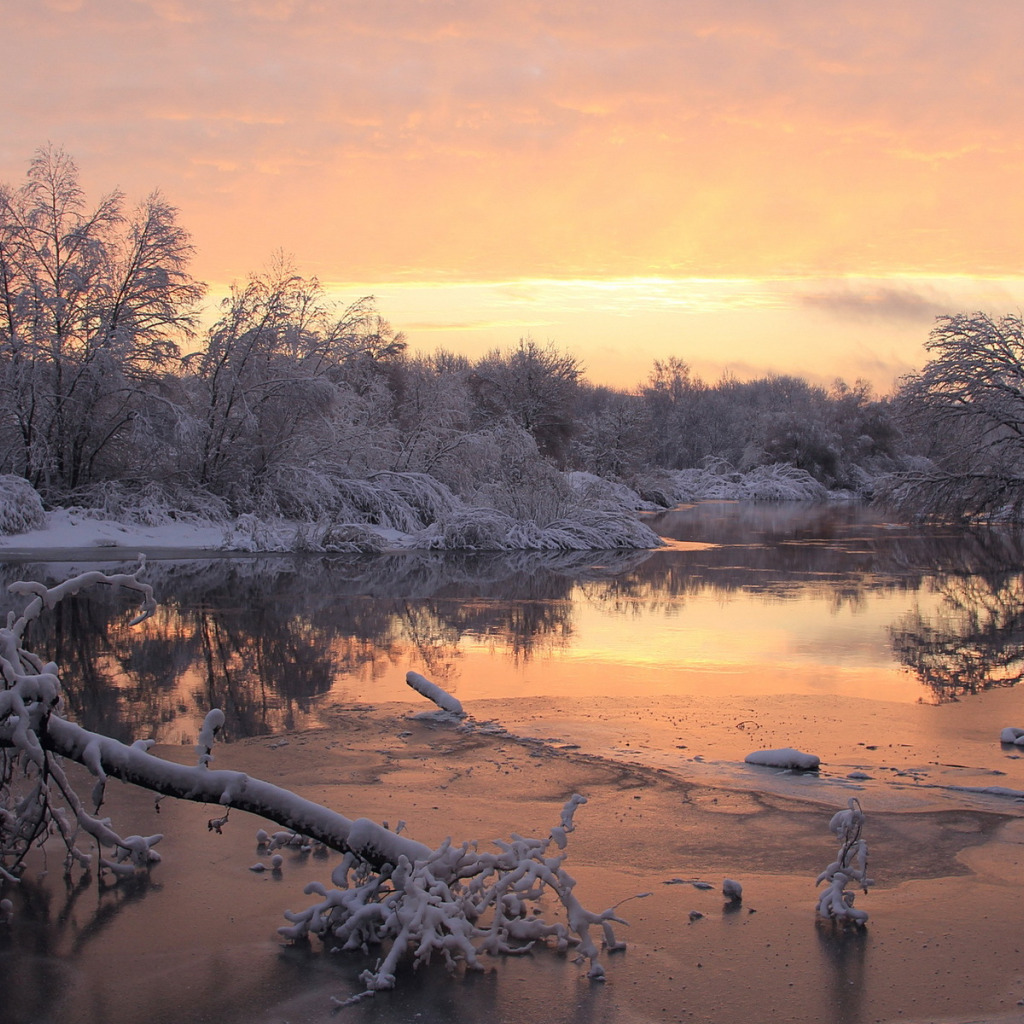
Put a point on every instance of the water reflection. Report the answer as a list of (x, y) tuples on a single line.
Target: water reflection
[(843, 952), (975, 640), (265, 638)]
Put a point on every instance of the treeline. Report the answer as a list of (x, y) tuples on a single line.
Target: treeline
[(108, 383)]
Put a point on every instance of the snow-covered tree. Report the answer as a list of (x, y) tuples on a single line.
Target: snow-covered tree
[(965, 410), (280, 395), (535, 387), (93, 305)]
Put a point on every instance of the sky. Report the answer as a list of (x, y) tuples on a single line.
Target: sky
[(752, 186)]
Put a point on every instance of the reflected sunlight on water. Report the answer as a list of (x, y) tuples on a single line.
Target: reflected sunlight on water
[(761, 600)]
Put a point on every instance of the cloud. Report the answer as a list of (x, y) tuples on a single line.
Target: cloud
[(879, 302)]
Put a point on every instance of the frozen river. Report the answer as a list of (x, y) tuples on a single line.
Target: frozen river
[(890, 652)]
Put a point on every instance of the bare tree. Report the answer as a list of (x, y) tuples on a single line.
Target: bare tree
[(274, 387), (966, 410), (535, 388)]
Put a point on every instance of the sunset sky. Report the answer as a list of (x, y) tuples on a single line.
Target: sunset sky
[(752, 185)]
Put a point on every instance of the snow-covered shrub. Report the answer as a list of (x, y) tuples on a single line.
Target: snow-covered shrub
[(850, 865), (595, 491), (148, 504), (21, 508), (485, 529), (719, 481), (407, 502)]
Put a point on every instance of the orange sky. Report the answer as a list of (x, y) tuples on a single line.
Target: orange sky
[(752, 185)]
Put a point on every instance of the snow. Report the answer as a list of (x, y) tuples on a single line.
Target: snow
[(1012, 735), (403, 512), (74, 530), (732, 890), (784, 757), (432, 691)]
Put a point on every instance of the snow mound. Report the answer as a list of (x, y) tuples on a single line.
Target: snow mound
[(1012, 735), (21, 508), (784, 757)]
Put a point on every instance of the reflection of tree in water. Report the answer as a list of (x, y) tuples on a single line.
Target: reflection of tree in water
[(262, 638), (974, 642), (50, 924)]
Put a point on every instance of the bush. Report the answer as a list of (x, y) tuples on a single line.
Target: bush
[(21, 508)]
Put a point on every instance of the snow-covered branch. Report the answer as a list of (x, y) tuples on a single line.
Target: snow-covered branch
[(850, 866)]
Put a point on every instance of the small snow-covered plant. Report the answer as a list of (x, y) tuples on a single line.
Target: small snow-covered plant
[(457, 902), (850, 866)]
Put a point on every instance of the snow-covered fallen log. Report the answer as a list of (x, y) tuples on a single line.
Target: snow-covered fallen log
[(237, 790)]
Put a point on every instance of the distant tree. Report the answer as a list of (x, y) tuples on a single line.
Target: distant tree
[(966, 411), (675, 411), (612, 435), (93, 305), (533, 386)]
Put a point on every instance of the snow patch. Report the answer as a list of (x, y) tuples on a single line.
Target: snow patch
[(784, 757)]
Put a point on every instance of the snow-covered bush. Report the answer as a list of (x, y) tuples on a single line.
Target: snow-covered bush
[(149, 504), (21, 508), (598, 492), (719, 481), (407, 502), (850, 865), (484, 529)]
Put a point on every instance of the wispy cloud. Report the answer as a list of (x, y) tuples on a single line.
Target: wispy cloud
[(879, 302)]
